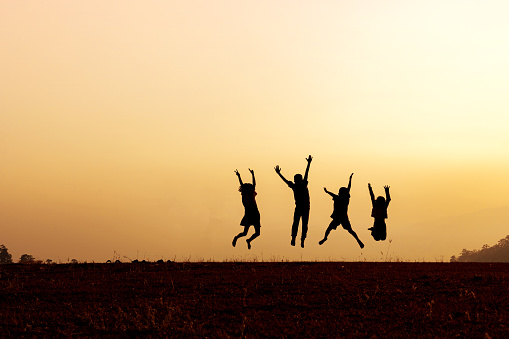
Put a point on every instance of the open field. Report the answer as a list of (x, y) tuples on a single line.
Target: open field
[(256, 299)]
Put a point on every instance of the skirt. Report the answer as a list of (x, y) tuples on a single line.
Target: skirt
[(251, 217)]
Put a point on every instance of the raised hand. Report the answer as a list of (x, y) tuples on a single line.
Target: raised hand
[(309, 158), (252, 174), (237, 173), (278, 169), (388, 195), (350, 182), (325, 189)]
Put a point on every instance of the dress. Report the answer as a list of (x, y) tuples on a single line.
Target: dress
[(379, 212), (379, 229), (251, 213)]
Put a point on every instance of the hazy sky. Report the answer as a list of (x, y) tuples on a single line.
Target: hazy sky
[(122, 122)]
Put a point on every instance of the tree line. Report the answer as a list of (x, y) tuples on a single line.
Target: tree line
[(6, 257)]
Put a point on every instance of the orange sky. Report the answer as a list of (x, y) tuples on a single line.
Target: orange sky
[(122, 122)]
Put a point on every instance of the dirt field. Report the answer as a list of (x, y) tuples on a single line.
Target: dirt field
[(256, 299)]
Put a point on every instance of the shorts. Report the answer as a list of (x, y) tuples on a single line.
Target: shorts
[(341, 221)]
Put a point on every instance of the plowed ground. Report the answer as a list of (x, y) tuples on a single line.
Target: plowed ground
[(256, 299)]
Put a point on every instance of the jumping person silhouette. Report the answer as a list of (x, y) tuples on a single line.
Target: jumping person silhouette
[(379, 212), (301, 195), (251, 213), (340, 214)]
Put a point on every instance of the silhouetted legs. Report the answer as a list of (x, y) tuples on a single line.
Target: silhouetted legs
[(346, 225), (244, 233), (379, 230), (241, 234), (351, 231), (254, 236), (332, 226), (299, 213)]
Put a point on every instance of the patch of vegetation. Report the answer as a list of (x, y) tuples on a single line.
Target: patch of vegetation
[(5, 257), (495, 253)]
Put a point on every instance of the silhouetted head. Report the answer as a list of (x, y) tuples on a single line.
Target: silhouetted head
[(246, 188), (380, 200), (343, 191), (297, 178)]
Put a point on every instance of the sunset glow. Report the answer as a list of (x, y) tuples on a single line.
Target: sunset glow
[(122, 122)]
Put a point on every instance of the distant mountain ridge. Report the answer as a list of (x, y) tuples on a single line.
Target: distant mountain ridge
[(496, 253)]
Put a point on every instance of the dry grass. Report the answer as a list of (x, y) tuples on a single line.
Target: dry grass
[(246, 299)]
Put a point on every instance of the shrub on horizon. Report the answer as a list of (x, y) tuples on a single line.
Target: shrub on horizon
[(26, 258), (5, 257)]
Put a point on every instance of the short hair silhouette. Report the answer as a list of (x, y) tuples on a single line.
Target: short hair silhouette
[(247, 188), (340, 213), (301, 195)]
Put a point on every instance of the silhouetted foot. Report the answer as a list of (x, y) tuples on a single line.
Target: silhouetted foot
[(248, 244), (293, 242), (302, 243), (322, 241), (361, 244), (234, 242)]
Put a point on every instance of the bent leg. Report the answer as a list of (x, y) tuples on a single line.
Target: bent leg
[(374, 231), (361, 245), (379, 231), (254, 236), (347, 226), (241, 234), (383, 231), (332, 226)]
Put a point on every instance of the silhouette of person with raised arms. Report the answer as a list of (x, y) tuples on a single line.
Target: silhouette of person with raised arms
[(301, 195), (251, 213), (340, 214), (379, 212)]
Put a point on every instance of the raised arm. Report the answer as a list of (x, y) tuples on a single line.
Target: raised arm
[(350, 182), (371, 194), (278, 171), (329, 193), (307, 167), (238, 175), (252, 174), (387, 195)]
